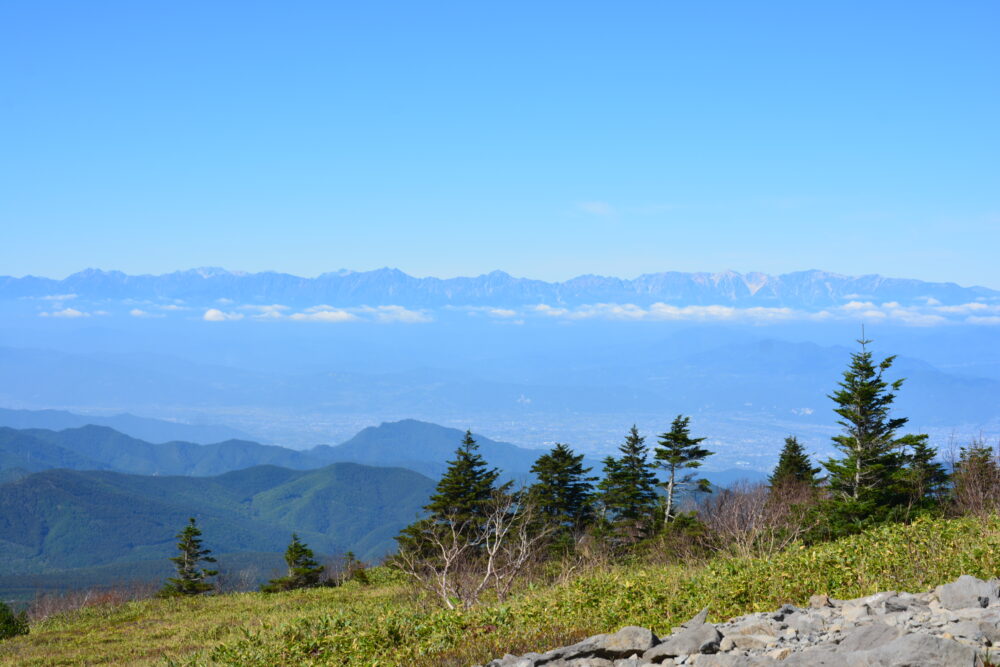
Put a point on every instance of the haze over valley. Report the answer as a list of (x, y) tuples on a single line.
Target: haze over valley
[(302, 362)]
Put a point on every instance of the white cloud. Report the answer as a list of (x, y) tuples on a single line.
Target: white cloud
[(66, 312), (172, 307), (224, 301), (138, 312), (271, 312), (216, 315), (395, 314), (325, 314), (549, 311), (965, 308), (59, 297), (989, 319)]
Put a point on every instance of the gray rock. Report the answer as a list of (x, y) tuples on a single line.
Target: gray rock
[(702, 638), (855, 612), (919, 650), (967, 592), (628, 642), (868, 637)]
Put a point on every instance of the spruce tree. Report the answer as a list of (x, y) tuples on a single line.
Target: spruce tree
[(465, 487), (925, 478), (190, 579), (794, 466), (628, 490), (678, 452), (868, 482), (562, 491), (460, 499), (303, 570), (11, 624)]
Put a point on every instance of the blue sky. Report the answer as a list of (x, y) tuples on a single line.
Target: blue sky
[(545, 139)]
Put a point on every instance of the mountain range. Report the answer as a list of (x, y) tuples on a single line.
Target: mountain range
[(143, 428), (411, 444), (804, 289)]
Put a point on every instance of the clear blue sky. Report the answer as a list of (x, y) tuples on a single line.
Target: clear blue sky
[(547, 139)]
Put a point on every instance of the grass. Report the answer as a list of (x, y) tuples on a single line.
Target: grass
[(385, 624)]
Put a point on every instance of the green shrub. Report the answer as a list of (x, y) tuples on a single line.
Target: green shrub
[(11, 624)]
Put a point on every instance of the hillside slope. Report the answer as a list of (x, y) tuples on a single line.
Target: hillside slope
[(384, 624), (62, 519)]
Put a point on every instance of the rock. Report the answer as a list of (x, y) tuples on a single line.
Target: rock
[(949, 627), (967, 592), (704, 638), (854, 612), (820, 601), (867, 637), (895, 603), (628, 642), (919, 650)]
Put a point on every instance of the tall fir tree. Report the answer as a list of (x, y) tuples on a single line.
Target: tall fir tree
[(794, 466), (628, 491), (460, 499), (563, 492), (465, 487), (677, 452), (868, 482), (191, 576), (303, 570), (925, 478)]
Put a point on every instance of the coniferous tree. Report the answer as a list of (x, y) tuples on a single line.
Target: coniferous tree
[(11, 624), (190, 579), (678, 452), (868, 482), (460, 500), (794, 466), (562, 492), (925, 478), (303, 570), (466, 485), (628, 490)]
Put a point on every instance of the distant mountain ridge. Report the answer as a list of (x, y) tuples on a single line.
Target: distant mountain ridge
[(803, 289), (410, 444), (144, 428)]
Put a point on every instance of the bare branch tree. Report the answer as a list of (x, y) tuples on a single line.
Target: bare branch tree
[(756, 520), (460, 560)]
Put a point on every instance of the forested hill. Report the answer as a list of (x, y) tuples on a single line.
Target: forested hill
[(60, 519)]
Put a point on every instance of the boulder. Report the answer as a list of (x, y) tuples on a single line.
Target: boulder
[(966, 592)]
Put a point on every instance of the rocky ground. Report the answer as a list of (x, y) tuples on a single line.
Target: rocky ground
[(954, 626)]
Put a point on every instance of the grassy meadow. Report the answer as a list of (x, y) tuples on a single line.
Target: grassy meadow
[(388, 623)]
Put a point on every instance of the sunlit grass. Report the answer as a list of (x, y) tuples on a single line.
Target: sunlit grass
[(386, 624)]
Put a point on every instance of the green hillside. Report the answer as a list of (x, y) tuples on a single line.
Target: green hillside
[(385, 624), (61, 519)]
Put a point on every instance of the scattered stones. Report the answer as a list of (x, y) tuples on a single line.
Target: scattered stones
[(956, 625)]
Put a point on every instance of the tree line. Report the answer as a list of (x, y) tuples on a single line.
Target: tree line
[(479, 534)]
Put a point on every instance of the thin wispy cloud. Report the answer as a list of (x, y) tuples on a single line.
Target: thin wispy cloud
[(138, 312), (66, 313), (216, 315), (324, 314)]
